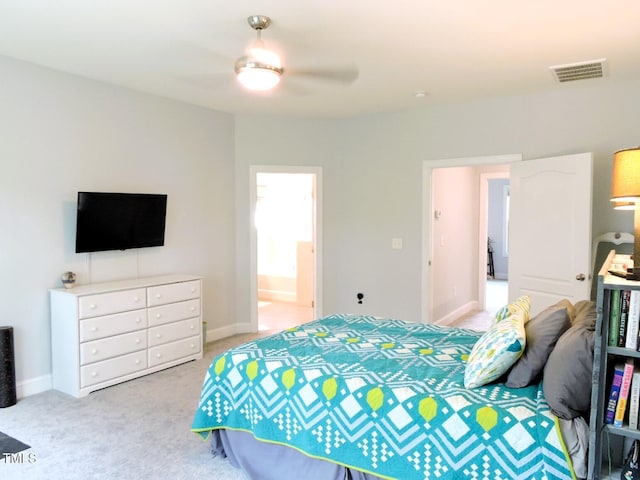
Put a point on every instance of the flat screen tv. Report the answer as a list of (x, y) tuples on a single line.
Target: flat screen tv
[(119, 221)]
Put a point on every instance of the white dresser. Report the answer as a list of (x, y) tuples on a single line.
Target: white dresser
[(107, 333)]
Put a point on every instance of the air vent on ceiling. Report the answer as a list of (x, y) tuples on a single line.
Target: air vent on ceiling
[(579, 71)]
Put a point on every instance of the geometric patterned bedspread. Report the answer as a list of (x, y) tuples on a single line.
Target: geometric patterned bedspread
[(385, 397)]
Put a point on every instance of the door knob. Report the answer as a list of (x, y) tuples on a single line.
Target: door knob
[(580, 277)]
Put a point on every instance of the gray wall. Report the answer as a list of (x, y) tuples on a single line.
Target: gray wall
[(61, 134), (373, 177)]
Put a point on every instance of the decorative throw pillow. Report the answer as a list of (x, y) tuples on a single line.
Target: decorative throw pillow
[(498, 348), (567, 375), (521, 304), (543, 331)]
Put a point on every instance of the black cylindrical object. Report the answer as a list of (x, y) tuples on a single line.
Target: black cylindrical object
[(7, 368)]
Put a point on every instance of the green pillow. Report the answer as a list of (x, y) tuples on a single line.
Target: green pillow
[(499, 347)]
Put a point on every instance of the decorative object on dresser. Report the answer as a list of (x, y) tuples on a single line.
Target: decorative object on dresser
[(613, 392), (68, 279), (106, 333)]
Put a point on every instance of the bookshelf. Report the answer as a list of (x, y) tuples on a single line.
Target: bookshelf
[(606, 441)]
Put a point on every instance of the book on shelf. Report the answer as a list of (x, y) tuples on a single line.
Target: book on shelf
[(625, 386), (614, 318), (614, 393), (634, 400), (633, 318), (623, 311)]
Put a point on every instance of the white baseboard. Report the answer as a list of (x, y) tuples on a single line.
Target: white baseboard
[(457, 313), (214, 334), (33, 386), (244, 328)]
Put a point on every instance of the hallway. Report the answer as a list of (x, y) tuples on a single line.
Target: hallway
[(497, 297)]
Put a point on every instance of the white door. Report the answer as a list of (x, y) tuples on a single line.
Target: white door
[(550, 229)]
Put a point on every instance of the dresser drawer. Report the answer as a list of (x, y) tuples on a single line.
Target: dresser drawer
[(174, 350), (173, 312), (112, 302), (174, 331), (109, 325), (174, 292), (112, 347), (112, 368)]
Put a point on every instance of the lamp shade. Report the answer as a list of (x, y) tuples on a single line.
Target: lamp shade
[(625, 195), (625, 181), (624, 206)]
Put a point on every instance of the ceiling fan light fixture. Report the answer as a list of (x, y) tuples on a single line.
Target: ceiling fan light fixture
[(261, 69), (256, 75)]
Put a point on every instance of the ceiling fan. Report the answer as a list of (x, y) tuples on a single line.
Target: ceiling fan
[(261, 69)]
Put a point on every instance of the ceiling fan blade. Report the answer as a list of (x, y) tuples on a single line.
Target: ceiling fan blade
[(208, 81), (344, 75)]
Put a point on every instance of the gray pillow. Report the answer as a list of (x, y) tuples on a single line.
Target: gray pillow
[(567, 375), (543, 331), (585, 314)]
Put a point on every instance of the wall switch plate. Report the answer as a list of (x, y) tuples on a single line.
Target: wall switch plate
[(396, 243)]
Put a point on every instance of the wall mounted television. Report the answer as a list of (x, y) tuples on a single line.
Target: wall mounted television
[(119, 221)]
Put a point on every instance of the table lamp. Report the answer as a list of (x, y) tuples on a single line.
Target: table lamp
[(625, 194)]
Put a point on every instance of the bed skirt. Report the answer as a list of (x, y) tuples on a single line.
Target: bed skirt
[(269, 461)]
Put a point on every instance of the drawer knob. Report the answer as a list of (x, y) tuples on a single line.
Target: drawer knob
[(158, 315), (192, 327), (138, 320), (93, 306), (137, 341), (94, 374), (192, 345), (158, 295), (136, 299), (94, 329), (193, 309), (158, 335), (94, 351), (158, 355), (137, 361), (193, 290)]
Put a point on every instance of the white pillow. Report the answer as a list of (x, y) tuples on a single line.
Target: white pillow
[(500, 346)]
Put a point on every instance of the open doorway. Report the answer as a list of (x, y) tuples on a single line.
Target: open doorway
[(285, 246), (553, 194), (496, 211), (456, 252)]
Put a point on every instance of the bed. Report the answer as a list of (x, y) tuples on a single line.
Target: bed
[(365, 398)]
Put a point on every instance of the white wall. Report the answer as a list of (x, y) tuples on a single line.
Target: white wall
[(60, 134), (455, 246), (373, 176)]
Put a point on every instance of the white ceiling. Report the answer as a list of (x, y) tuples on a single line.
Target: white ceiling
[(455, 50)]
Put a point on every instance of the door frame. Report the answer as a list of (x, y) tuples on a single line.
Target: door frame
[(254, 170), (427, 215)]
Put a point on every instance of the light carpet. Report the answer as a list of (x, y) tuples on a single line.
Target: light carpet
[(135, 430)]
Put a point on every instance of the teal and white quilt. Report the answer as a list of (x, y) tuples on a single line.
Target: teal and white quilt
[(385, 397)]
